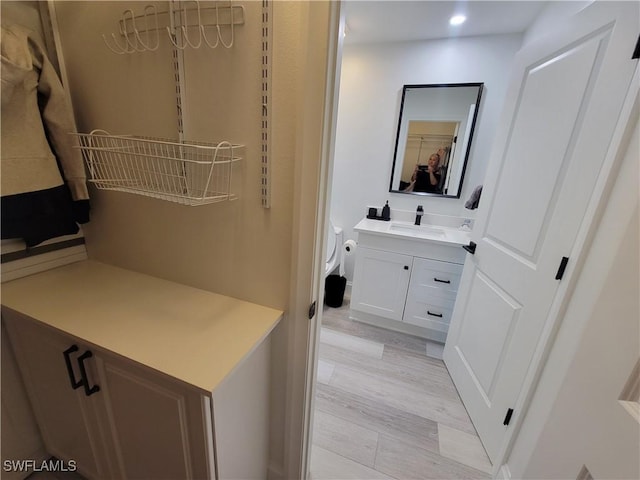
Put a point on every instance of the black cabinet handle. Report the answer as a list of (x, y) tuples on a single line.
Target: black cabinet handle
[(67, 361), (441, 281), (471, 248), (406, 267), (439, 315), (88, 391)]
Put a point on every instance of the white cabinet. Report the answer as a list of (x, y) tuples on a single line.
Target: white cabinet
[(66, 418), (405, 283), (112, 418), (115, 418), (131, 376)]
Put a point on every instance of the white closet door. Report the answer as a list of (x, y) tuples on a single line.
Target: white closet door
[(566, 92)]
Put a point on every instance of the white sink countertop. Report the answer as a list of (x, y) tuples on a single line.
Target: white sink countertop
[(407, 230)]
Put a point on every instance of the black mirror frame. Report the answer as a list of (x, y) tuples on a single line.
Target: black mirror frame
[(480, 86)]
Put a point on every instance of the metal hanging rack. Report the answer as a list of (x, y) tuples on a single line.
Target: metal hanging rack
[(186, 25)]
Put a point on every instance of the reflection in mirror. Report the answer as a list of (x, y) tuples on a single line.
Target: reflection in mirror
[(435, 128)]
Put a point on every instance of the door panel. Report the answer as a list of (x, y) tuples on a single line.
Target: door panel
[(66, 417), (158, 426), (565, 95), (482, 345), (540, 154)]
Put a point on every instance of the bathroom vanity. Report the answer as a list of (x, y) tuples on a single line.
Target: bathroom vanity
[(131, 376), (406, 276)]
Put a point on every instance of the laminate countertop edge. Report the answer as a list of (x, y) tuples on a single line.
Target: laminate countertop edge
[(192, 335)]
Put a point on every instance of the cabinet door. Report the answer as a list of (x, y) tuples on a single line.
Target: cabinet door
[(66, 416), (161, 429), (380, 282)]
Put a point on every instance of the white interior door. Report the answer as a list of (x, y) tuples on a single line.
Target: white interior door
[(565, 95)]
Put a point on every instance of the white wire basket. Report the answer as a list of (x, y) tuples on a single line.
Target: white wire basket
[(189, 173)]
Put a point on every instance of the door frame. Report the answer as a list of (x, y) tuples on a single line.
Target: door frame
[(317, 109)]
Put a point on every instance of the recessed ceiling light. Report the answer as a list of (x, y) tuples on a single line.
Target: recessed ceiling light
[(457, 20)]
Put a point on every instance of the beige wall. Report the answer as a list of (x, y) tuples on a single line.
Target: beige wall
[(234, 248)]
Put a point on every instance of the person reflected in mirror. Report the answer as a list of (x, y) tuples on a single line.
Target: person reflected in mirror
[(426, 178)]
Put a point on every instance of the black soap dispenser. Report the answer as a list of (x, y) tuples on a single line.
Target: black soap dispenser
[(386, 212)]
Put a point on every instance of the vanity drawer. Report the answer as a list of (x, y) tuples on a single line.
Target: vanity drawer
[(433, 277), (434, 313)]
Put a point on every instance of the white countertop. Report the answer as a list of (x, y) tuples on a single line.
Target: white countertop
[(408, 231), (193, 335)]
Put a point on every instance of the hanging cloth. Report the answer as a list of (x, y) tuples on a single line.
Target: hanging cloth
[(43, 182)]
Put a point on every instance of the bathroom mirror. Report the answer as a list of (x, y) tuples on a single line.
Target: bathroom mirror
[(435, 129)]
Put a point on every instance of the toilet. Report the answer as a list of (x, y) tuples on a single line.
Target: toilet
[(334, 247)]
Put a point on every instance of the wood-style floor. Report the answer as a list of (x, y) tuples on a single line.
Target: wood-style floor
[(386, 408)]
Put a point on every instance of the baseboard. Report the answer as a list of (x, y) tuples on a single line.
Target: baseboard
[(375, 320)]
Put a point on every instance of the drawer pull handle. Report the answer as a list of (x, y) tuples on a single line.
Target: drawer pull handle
[(439, 315), (406, 267), (67, 361), (88, 391), (441, 281)]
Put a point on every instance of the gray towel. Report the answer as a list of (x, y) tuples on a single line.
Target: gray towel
[(474, 199)]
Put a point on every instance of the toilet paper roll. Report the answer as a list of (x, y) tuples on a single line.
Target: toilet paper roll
[(348, 249)]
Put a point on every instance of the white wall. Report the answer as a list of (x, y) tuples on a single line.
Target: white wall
[(552, 16), (370, 94)]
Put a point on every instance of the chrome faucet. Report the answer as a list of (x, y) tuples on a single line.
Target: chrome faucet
[(419, 213)]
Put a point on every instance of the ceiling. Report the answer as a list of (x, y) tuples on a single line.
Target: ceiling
[(373, 21)]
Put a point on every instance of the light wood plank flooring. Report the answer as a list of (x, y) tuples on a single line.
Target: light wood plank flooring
[(386, 408)]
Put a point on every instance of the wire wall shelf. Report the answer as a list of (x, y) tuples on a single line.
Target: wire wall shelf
[(189, 173)]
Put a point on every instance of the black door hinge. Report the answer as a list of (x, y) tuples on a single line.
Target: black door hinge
[(561, 268), (312, 310), (507, 417)]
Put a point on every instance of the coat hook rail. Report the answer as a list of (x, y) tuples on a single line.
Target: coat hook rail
[(227, 15), (192, 22)]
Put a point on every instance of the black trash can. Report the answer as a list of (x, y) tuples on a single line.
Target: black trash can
[(334, 287)]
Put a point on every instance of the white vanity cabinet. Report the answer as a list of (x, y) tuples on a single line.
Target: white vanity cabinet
[(134, 377), (404, 280)]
